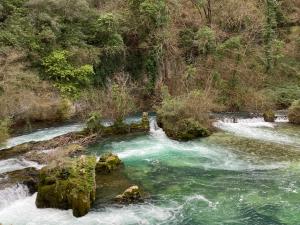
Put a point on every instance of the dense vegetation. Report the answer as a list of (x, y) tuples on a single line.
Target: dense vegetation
[(116, 57)]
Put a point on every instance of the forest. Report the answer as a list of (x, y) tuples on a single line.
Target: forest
[(187, 105)]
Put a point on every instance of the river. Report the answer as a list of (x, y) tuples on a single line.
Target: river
[(245, 174)]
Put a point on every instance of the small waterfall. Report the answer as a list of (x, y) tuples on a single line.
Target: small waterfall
[(11, 194), (13, 164), (155, 130), (257, 128)]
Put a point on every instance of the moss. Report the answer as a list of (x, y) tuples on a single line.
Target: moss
[(107, 163), (185, 130), (294, 112), (68, 184), (269, 116)]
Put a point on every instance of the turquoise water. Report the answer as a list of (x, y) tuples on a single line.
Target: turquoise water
[(201, 182), (229, 178)]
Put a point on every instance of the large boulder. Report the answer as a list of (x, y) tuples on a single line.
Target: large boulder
[(107, 163), (269, 116), (68, 184), (185, 130), (294, 112), (130, 195)]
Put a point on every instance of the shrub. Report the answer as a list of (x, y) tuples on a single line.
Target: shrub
[(68, 79), (93, 123), (206, 40), (283, 96), (294, 112), (185, 117)]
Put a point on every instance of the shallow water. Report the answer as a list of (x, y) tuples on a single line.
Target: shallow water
[(212, 181), (43, 134)]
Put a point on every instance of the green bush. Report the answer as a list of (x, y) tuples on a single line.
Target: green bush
[(284, 96), (68, 79), (93, 123), (206, 39)]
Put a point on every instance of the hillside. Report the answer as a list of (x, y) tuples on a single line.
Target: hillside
[(242, 55)]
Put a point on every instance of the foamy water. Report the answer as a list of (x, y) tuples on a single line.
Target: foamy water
[(23, 211), (11, 194), (13, 164), (44, 134), (194, 182), (256, 128)]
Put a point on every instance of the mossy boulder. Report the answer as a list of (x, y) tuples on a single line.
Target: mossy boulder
[(107, 163), (269, 116), (130, 195), (185, 130), (294, 112), (68, 184)]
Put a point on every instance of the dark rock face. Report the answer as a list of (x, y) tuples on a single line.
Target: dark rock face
[(269, 116), (130, 195), (68, 184), (294, 113), (107, 163), (28, 177)]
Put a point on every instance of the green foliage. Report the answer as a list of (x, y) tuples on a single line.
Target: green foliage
[(272, 45), (66, 78), (233, 93), (93, 123), (197, 42), (4, 130), (112, 48), (206, 39), (150, 14), (283, 96), (153, 13), (230, 46)]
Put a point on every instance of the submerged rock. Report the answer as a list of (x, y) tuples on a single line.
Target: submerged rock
[(107, 163), (130, 195), (68, 184), (269, 116), (294, 112)]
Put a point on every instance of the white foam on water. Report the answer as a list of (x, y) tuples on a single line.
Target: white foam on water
[(256, 128), (24, 212), (198, 197), (11, 194), (44, 134), (157, 146), (13, 164)]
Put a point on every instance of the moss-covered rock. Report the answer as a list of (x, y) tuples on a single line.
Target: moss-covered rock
[(107, 163), (68, 184), (185, 130), (294, 112), (269, 116), (130, 195)]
